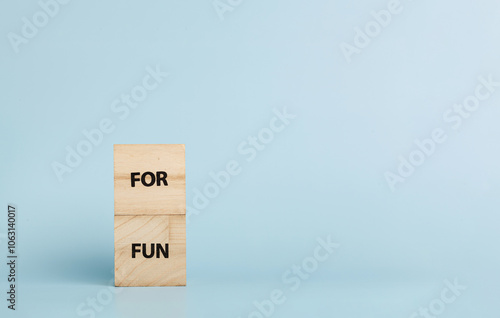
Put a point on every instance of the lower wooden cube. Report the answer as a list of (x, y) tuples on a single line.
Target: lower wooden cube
[(150, 250)]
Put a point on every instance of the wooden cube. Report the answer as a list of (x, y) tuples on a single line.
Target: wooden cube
[(150, 215), (145, 264), (149, 197)]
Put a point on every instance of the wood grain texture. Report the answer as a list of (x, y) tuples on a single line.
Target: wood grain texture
[(141, 271), (150, 215), (154, 200)]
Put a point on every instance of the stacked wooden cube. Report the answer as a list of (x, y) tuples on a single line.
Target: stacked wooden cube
[(150, 215)]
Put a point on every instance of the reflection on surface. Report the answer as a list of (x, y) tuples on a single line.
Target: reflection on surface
[(150, 302)]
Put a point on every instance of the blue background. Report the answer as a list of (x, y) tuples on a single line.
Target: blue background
[(322, 175)]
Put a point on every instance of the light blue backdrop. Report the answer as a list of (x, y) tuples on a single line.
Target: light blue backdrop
[(361, 92)]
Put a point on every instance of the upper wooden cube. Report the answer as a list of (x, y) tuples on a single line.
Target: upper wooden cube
[(150, 179)]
